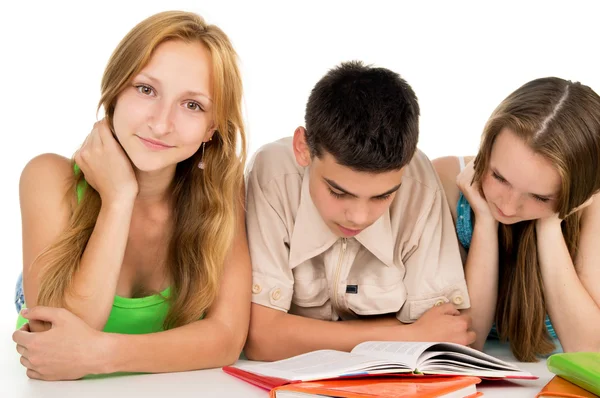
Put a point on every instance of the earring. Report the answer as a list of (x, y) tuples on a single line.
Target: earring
[(201, 165)]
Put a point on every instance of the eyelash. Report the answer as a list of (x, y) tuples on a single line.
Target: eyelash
[(384, 197), (142, 86), (341, 195), (503, 181), (335, 194), (198, 106), (497, 177), (139, 88), (539, 199)]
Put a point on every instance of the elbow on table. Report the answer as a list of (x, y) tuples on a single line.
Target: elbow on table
[(265, 334), (254, 349), (233, 343), (258, 345)]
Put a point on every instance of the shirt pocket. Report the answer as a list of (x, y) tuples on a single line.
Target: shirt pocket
[(377, 295), (310, 293), (310, 285), (311, 299)]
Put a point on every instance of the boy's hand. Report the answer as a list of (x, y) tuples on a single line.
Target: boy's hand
[(444, 323)]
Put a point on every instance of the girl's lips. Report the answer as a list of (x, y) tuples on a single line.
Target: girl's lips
[(154, 144)]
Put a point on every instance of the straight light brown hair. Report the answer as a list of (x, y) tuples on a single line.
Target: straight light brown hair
[(559, 120)]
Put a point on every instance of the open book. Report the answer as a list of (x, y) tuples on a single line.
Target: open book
[(379, 358)]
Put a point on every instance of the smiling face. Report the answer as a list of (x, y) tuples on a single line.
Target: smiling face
[(165, 114), (519, 184)]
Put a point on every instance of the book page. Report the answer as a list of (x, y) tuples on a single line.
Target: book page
[(449, 366), (430, 357), (450, 358), (443, 358), (467, 354), (403, 352), (317, 365)]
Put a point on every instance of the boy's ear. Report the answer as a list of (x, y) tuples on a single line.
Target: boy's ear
[(301, 151)]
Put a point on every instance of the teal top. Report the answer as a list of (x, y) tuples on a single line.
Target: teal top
[(464, 231)]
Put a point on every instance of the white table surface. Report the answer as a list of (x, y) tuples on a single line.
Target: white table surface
[(205, 383)]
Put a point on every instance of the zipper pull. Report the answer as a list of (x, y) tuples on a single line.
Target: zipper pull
[(344, 242)]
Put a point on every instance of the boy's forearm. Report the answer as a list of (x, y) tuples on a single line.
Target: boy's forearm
[(289, 335)]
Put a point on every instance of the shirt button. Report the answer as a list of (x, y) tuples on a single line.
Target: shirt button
[(276, 295), (256, 288), (439, 302), (458, 300)]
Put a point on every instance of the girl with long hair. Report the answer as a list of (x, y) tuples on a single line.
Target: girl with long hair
[(527, 215), (142, 233)]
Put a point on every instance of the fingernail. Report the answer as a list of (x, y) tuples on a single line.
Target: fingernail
[(24, 311)]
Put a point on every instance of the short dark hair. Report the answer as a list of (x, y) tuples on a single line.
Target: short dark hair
[(367, 118)]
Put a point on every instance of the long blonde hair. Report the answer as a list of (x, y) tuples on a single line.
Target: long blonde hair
[(559, 120), (205, 202)]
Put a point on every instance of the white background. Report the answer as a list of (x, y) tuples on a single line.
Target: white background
[(461, 57)]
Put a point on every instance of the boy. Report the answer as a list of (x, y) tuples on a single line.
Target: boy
[(348, 221)]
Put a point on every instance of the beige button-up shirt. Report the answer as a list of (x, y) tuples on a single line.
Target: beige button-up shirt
[(405, 263)]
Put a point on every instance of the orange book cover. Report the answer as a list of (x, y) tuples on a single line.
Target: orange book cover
[(559, 387), (422, 387)]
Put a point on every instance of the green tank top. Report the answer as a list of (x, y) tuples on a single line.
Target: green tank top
[(130, 315)]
